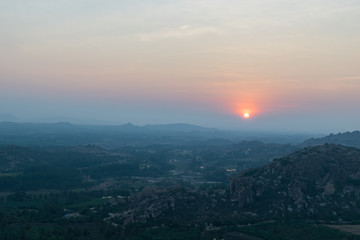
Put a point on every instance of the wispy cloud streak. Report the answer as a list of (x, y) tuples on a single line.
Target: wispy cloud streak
[(181, 32)]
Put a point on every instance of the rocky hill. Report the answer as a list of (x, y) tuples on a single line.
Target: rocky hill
[(321, 182), (350, 139)]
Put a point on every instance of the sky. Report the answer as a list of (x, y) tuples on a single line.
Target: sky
[(293, 65)]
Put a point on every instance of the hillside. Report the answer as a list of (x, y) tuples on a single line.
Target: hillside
[(321, 182), (173, 192), (350, 139)]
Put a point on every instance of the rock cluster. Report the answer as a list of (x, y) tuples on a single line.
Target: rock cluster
[(303, 183)]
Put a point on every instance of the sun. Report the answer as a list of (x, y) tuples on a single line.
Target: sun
[(246, 112)]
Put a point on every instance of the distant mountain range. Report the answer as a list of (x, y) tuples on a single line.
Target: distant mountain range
[(64, 133), (64, 127)]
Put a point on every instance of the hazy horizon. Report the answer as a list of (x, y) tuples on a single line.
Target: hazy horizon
[(6, 117), (293, 65)]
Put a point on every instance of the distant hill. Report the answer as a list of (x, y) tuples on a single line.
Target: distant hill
[(67, 134), (13, 158), (321, 182), (17, 158), (351, 139), (180, 127), (263, 151)]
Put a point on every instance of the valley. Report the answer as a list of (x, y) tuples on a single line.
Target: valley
[(199, 190)]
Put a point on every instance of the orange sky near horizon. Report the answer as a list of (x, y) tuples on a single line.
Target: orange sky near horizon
[(204, 62)]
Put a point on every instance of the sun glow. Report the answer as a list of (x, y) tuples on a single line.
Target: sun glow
[(246, 115), (246, 110)]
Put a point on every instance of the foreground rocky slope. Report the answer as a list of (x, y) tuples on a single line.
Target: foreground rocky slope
[(321, 182)]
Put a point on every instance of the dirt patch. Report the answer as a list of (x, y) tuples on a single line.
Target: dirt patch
[(354, 229)]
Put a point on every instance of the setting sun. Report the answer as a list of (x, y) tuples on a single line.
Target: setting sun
[(246, 115), (246, 110)]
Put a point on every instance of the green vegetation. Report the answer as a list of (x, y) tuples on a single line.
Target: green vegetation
[(170, 192)]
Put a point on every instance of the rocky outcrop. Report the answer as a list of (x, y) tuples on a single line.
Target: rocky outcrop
[(303, 182), (321, 183), (185, 204)]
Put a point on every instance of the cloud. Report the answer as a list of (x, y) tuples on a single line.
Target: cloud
[(349, 79), (350, 82), (181, 32)]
